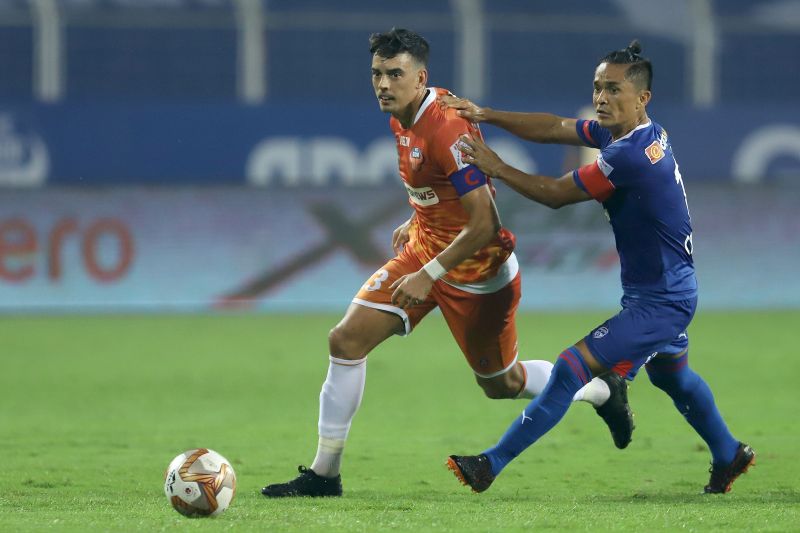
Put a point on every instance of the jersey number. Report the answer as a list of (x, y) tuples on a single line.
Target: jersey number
[(679, 181), (377, 280), (687, 243)]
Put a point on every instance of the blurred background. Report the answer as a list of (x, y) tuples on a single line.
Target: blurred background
[(197, 155)]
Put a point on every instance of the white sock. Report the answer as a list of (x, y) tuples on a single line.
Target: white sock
[(596, 392), (537, 374), (338, 402)]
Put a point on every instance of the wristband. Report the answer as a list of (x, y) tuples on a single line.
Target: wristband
[(434, 269)]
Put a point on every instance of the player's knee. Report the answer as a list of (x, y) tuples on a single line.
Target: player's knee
[(671, 382), (659, 379), (344, 343), (498, 390), (497, 394)]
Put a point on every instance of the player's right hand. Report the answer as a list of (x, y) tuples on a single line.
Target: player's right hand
[(400, 236), (465, 108)]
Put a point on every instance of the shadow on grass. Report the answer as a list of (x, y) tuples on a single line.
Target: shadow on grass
[(783, 496), (407, 500)]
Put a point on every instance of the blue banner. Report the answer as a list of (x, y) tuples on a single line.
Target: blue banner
[(318, 145)]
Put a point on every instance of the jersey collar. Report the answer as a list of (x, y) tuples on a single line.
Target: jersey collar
[(429, 99), (634, 130)]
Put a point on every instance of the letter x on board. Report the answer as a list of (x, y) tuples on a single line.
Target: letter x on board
[(353, 236)]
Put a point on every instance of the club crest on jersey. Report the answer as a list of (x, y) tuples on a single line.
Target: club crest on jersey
[(654, 152), (416, 153), (423, 196), (600, 332)]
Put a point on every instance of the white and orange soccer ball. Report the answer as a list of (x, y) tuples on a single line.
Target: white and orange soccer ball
[(200, 482)]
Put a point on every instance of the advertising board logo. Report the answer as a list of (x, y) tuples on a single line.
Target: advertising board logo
[(753, 160), (24, 161), (322, 161)]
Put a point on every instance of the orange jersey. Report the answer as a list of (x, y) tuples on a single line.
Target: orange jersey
[(428, 155)]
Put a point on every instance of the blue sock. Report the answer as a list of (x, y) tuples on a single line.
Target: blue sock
[(694, 400), (569, 374)]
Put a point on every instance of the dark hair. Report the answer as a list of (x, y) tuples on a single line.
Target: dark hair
[(640, 71), (396, 41)]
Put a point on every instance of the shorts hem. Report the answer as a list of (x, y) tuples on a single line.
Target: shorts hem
[(390, 309), (596, 354), (499, 372)]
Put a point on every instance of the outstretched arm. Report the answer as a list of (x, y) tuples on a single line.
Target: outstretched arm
[(552, 192), (536, 127)]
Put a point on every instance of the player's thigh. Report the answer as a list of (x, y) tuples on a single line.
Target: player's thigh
[(483, 325), (637, 333), (371, 318), (672, 357)]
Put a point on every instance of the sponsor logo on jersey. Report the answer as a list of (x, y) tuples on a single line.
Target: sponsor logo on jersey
[(605, 168), (600, 332), (663, 140), (423, 196), (404, 141), (455, 149), (654, 152)]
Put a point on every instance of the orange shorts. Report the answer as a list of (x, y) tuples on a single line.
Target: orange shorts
[(483, 325)]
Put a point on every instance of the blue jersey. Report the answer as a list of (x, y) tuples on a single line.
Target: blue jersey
[(638, 182)]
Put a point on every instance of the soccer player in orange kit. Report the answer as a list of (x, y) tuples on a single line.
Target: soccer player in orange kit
[(452, 253)]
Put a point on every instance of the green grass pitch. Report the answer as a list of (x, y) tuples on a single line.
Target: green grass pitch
[(94, 408)]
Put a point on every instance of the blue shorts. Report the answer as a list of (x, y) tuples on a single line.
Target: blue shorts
[(641, 330)]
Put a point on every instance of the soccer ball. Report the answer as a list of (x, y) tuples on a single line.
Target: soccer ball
[(200, 482)]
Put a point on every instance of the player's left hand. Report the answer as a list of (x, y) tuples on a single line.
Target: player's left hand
[(411, 289), (475, 152)]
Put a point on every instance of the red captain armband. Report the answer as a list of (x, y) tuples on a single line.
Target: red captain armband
[(467, 179), (591, 179)]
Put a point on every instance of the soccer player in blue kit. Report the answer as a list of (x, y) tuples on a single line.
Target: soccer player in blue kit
[(639, 184)]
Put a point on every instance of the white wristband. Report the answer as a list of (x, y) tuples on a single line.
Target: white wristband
[(434, 269)]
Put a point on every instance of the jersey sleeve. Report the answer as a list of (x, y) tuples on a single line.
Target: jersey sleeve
[(609, 172), (447, 153), (592, 134)]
